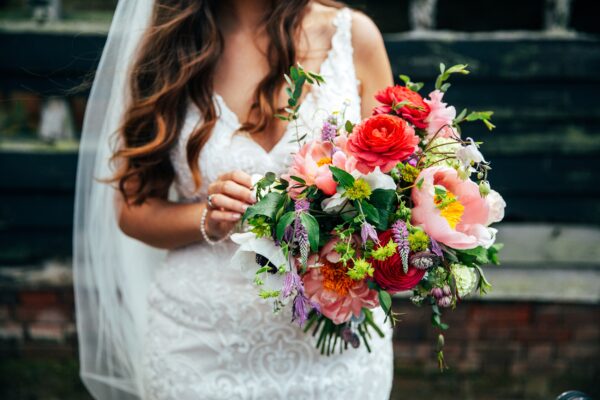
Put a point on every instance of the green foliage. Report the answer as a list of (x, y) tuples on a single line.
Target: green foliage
[(295, 82), (445, 75), (360, 270), (385, 202), (283, 223), (312, 227), (344, 179), (267, 206), (414, 86), (385, 301), (384, 252), (418, 240)]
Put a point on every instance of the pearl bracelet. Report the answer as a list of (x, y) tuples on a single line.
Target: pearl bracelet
[(203, 230)]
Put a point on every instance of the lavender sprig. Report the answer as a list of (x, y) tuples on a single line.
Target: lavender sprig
[(400, 236)]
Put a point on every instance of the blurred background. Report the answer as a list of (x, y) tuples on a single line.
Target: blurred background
[(536, 63)]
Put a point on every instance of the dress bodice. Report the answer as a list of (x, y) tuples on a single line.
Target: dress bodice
[(229, 149)]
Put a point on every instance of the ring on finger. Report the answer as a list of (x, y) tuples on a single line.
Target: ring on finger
[(210, 201)]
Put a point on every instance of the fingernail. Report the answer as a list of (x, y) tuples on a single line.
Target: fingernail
[(235, 217), (245, 207)]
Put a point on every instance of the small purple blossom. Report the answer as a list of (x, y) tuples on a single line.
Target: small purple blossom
[(444, 301), (367, 231), (437, 292), (301, 235), (436, 248), (328, 131), (400, 235), (301, 205), (412, 161), (291, 282), (300, 309)]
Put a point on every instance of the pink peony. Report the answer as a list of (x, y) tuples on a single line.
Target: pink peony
[(312, 163), (328, 285), (460, 221), (440, 116)]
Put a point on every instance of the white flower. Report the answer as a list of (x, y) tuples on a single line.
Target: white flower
[(245, 258), (497, 205), (466, 279), (375, 179), (469, 154)]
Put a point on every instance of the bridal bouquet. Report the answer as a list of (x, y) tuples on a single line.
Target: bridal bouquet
[(398, 202)]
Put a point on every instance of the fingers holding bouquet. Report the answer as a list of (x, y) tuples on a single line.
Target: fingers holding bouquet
[(228, 198)]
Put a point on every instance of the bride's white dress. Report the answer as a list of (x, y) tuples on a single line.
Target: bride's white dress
[(209, 335)]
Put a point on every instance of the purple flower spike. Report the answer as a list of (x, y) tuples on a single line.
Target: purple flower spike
[(301, 308), (367, 231), (328, 132), (400, 235), (301, 205)]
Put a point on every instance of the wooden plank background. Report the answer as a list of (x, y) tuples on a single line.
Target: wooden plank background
[(544, 152)]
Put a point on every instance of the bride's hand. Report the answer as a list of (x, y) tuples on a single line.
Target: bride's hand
[(230, 196)]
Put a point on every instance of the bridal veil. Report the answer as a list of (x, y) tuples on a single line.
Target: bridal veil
[(111, 271)]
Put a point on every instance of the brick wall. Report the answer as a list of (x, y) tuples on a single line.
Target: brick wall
[(496, 350)]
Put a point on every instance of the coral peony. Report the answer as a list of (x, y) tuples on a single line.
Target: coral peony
[(381, 141), (328, 285), (451, 210), (415, 112), (440, 117), (389, 273), (312, 163)]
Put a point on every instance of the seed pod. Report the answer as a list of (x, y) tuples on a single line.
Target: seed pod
[(437, 292), (424, 260), (447, 290), (444, 301)]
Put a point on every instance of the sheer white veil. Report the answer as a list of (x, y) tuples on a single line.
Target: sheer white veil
[(111, 271)]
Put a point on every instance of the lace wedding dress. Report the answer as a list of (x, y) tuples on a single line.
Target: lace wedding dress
[(209, 336)]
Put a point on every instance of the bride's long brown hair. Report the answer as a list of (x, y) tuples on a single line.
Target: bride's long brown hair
[(176, 62)]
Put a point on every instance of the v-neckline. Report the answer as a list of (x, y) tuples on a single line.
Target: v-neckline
[(308, 97)]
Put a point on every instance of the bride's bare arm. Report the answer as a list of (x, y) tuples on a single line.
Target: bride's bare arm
[(165, 224), (370, 59)]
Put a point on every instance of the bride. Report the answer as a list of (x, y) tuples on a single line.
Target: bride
[(180, 115)]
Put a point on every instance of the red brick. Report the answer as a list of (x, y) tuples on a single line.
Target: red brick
[(587, 333), (38, 298), (11, 330), (50, 331), (501, 314), (540, 353)]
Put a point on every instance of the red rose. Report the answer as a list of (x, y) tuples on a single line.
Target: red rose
[(390, 275), (381, 141), (415, 112)]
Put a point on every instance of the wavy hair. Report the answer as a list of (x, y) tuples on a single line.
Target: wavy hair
[(176, 63)]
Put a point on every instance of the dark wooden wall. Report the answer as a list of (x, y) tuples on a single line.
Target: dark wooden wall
[(544, 153)]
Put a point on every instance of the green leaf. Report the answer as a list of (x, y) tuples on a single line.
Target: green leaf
[(493, 253), (385, 300), (298, 179), (283, 223), (266, 206), (312, 227), (342, 177), (385, 201), (349, 126), (298, 87), (371, 213)]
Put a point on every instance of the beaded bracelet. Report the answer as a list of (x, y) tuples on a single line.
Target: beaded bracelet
[(203, 230)]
